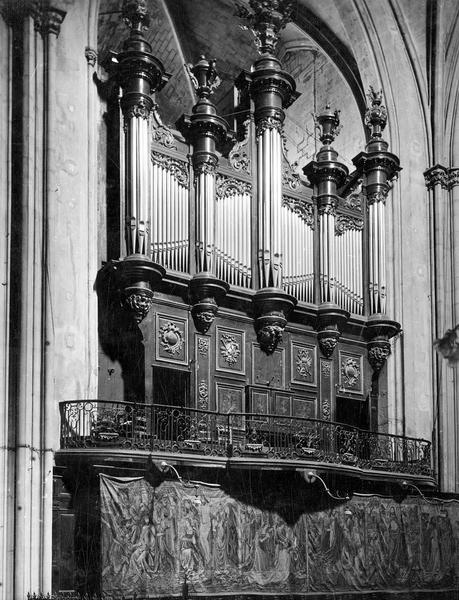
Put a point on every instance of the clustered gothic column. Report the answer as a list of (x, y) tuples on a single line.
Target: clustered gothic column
[(379, 167), (443, 187), (205, 129), (272, 90), (327, 174), (140, 75)]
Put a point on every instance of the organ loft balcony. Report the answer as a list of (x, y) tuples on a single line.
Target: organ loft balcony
[(108, 433)]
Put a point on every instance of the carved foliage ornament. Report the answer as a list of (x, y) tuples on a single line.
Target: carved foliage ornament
[(171, 339), (47, 19), (176, 168), (139, 304), (377, 355), (354, 201), (227, 186), (326, 369), (203, 395), (438, 175), (326, 409), (345, 223), (203, 346), (304, 362), (268, 123), (238, 157), (229, 349), (350, 371), (302, 209)]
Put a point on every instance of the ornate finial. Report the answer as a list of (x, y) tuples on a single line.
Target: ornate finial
[(376, 114), (135, 14), (203, 76), (265, 21), (328, 124)]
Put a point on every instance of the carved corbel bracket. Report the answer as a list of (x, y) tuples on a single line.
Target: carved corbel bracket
[(271, 307), (206, 293), (378, 332), (331, 320), (137, 277)]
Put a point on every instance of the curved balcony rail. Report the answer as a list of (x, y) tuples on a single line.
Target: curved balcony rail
[(170, 429)]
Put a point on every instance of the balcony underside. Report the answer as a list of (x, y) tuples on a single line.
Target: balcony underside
[(125, 435)]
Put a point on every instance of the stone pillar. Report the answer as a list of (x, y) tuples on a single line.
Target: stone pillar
[(451, 473), (437, 184), (6, 415)]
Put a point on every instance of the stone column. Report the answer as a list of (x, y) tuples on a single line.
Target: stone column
[(6, 415), (437, 184)]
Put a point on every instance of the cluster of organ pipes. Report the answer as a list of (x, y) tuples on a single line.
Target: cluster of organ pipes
[(269, 180), (233, 238), (289, 233), (170, 218), (205, 226), (297, 252), (137, 186), (349, 272), (327, 257), (377, 257)]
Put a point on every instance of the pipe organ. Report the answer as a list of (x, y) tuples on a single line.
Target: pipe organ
[(225, 219)]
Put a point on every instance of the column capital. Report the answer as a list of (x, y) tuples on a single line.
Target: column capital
[(453, 177), (436, 175)]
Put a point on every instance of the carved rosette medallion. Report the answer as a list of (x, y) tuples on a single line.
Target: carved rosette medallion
[(203, 395), (171, 339), (378, 353), (138, 302), (304, 362), (203, 346), (350, 371), (229, 349)]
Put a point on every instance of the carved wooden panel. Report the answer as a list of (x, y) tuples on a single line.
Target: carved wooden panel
[(351, 372), (303, 367), (282, 404), (258, 401), (268, 370), (171, 339), (230, 400), (230, 350), (304, 408)]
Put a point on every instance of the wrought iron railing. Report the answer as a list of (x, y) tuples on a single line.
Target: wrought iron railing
[(159, 428)]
